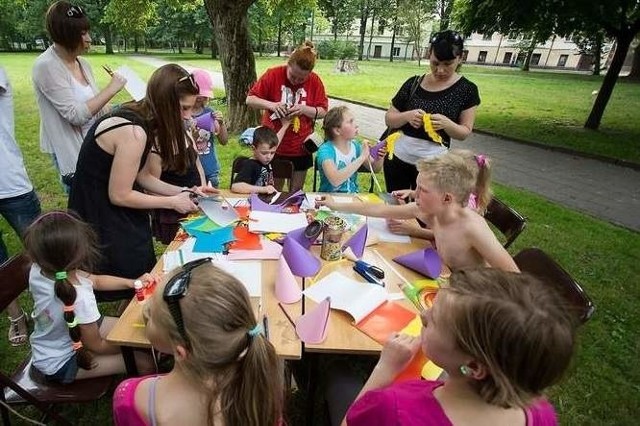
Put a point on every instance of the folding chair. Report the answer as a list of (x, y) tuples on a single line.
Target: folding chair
[(26, 386), (282, 170), (508, 221), (540, 264)]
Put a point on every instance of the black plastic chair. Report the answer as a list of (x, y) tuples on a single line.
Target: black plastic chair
[(540, 264), (508, 221), (26, 386), (282, 170)]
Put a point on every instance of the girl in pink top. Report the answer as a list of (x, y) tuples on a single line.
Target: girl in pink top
[(501, 337), (226, 371)]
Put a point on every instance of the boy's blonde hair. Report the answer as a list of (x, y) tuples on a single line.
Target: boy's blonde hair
[(239, 374), (460, 172), (521, 329), (333, 120)]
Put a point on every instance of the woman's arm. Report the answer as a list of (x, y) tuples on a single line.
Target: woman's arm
[(258, 103), (396, 119), (98, 102), (404, 211), (458, 131)]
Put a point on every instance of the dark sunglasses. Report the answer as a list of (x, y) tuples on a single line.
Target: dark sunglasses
[(450, 36), (191, 80), (75, 12), (176, 289)]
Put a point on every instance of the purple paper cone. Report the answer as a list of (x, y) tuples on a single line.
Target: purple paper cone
[(287, 288), (426, 262), (301, 261), (298, 235), (258, 205), (205, 121), (312, 327), (357, 241), (373, 151)]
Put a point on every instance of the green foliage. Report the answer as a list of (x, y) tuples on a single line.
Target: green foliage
[(340, 13), (130, 16), (337, 49)]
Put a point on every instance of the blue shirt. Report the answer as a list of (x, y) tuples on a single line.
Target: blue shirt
[(328, 151)]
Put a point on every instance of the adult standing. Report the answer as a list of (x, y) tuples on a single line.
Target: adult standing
[(66, 91), (108, 186), (449, 97), (19, 204), (292, 90)]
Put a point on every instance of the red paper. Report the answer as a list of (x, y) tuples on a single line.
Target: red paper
[(388, 318), (245, 240)]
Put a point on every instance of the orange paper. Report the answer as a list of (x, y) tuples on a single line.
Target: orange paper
[(245, 240), (388, 318)]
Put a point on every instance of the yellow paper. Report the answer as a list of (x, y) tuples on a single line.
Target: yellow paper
[(426, 283), (428, 127), (413, 328), (391, 143), (430, 371), (370, 198), (295, 124)]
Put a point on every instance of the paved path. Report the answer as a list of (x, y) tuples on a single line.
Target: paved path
[(606, 191)]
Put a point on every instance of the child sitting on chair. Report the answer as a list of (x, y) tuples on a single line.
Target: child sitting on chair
[(256, 175), (339, 159)]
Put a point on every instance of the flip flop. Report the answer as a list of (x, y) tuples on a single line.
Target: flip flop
[(16, 338)]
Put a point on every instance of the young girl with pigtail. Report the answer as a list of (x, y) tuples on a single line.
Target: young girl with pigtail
[(68, 338), (226, 370)]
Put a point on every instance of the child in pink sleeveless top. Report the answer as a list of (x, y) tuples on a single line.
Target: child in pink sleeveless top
[(501, 337), (203, 316)]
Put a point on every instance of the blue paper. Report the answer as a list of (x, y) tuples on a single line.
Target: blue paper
[(212, 242)]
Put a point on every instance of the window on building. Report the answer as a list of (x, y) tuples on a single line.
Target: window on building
[(512, 36), (396, 51), (381, 26), (562, 61), (486, 36), (482, 56), (507, 57), (535, 59)]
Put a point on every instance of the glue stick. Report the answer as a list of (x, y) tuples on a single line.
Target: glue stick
[(139, 289)]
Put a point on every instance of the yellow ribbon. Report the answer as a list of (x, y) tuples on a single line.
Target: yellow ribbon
[(428, 127), (391, 143)]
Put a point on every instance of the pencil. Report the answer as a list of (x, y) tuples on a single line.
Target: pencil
[(284, 311)]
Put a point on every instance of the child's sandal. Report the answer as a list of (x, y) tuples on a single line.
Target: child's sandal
[(15, 336)]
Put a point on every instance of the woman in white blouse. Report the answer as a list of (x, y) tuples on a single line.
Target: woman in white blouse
[(66, 91)]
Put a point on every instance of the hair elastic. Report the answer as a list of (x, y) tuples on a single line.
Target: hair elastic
[(258, 329), (465, 370), (76, 345), (481, 160), (61, 275), (68, 308), (73, 323)]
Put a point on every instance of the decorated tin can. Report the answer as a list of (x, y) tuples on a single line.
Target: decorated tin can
[(333, 230)]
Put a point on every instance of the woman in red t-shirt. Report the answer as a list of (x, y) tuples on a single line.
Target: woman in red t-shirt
[(292, 90)]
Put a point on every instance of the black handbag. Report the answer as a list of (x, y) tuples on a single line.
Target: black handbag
[(414, 86)]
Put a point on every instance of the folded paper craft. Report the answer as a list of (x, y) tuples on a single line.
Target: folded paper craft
[(312, 327), (374, 150), (301, 261), (357, 241), (301, 238), (294, 199), (218, 210), (425, 262), (206, 122), (287, 288)]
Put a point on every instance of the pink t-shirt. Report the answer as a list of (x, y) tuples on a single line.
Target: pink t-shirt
[(413, 403), (124, 403)]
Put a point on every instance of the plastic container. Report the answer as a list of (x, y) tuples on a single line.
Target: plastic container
[(139, 289)]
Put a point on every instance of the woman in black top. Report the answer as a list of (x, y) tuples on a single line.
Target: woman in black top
[(451, 100), (107, 187)]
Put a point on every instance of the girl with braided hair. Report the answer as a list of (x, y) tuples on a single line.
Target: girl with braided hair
[(68, 338)]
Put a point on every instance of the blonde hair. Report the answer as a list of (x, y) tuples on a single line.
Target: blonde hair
[(518, 327), (238, 373), (333, 119), (460, 172), (304, 56)]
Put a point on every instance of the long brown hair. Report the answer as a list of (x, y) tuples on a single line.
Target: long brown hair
[(61, 243), (161, 110), (304, 56), (238, 373), (518, 327)]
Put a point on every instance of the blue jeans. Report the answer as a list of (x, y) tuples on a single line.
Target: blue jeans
[(19, 212)]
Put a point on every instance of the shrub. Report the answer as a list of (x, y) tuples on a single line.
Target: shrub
[(337, 49)]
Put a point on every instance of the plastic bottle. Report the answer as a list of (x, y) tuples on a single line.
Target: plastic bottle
[(139, 289)]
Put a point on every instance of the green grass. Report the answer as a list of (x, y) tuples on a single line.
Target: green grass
[(603, 386)]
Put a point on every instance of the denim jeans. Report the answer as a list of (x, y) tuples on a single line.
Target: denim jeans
[(19, 212)]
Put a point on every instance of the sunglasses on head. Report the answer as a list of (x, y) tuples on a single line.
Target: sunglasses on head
[(191, 80), (176, 289), (75, 12), (450, 36)]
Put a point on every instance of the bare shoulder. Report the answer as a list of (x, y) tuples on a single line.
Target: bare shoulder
[(127, 131)]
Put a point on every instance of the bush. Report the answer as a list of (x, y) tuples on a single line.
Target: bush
[(337, 49)]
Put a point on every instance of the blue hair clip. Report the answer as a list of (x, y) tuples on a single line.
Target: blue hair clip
[(258, 329)]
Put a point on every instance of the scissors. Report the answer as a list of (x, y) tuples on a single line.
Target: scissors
[(369, 272)]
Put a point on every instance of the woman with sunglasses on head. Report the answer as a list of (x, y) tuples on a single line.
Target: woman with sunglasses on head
[(226, 371), (449, 98), (110, 182), (292, 92), (68, 97)]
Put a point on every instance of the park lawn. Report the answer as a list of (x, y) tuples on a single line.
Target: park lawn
[(603, 386), (540, 106)]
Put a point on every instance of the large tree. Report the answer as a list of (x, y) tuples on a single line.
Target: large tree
[(341, 14), (229, 18), (415, 16), (619, 19)]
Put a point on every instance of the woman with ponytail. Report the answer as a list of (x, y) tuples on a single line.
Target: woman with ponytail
[(67, 341), (226, 371)]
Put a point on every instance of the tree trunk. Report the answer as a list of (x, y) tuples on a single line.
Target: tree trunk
[(108, 40), (199, 46), (135, 43), (530, 49), (214, 47), (635, 64), (597, 54), (279, 36), (364, 15), (373, 20), (179, 46), (445, 13), (393, 39), (236, 57), (609, 82)]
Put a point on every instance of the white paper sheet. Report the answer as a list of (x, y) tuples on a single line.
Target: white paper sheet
[(247, 272), (260, 221), (174, 258), (136, 86), (379, 226), (357, 298)]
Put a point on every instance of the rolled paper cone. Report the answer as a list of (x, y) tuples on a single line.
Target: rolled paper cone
[(349, 255), (206, 122), (258, 205), (301, 261), (287, 288), (357, 241), (298, 235), (372, 239), (425, 262), (374, 150), (312, 327)]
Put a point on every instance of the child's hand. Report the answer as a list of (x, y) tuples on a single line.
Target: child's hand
[(269, 189), (364, 155), (286, 121), (400, 227), (325, 200), (398, 352), (217, 115), (148, 279), (404, 194), (381, 152)]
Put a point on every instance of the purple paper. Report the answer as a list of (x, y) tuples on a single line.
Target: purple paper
[(205, 121), (358, 241), (374, 150), (426, 262), (300, 260), (258, 205), (298, 235)]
